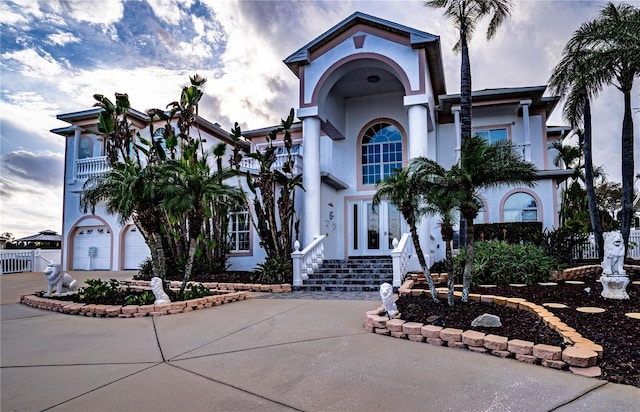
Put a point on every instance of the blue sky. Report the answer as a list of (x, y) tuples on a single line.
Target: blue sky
[(55, 55)]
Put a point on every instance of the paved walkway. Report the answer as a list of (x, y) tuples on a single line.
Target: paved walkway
[(262, 354)]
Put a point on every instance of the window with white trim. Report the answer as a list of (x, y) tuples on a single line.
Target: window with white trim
[(494, 135), (239, 232), (381, 151), (520, 207)]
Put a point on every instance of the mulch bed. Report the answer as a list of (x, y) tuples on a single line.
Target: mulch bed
[(618, 334)]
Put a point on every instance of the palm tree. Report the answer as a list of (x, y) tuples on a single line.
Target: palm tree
[(128, 190), (401, 190), (189, 189), (483, 166), (465, 16), (573, 157), (442, 199), (604, 51)]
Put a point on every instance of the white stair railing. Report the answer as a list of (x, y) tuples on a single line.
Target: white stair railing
[(305, 262), (400, 256)]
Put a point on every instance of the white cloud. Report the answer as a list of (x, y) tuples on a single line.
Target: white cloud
[(61, 39), (104, 12), (30, 209), (31, 116), (33, 64), (11, 17), (168, 10)]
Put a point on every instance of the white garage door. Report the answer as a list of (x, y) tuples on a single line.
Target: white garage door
[(94, 240), (135, 249)]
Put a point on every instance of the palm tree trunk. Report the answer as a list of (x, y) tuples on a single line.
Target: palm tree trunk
[(465, 108), (596, 225), (152, 240), (448, 264), (468, 264), (188, 269), (422, 260), (627, 169), (195, 225)]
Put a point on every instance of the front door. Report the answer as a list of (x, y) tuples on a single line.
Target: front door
[(372, 229)]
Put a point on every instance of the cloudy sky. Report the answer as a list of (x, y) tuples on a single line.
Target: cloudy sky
[(55, 54)]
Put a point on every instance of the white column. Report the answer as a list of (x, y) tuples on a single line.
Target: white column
[(527, 131), (77, 132), (311, 219), (417, 110), (418, 134), (418, 146), (456, 120)]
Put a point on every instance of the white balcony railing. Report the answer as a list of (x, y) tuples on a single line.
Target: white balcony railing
[(253, 165), (91, 167)]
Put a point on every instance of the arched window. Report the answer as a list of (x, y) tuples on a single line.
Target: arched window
[(381, 150), (520, 207)]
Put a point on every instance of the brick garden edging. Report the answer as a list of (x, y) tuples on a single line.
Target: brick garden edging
[(252, 287), (225, 293), (581, 358)]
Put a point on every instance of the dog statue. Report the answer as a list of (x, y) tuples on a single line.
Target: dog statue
[(613, 263), (62, 281), (386, 293), (158, 291)]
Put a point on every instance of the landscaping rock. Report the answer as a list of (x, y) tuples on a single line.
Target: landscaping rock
[(486, 320)]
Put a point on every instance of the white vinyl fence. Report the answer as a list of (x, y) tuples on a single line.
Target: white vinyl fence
[(587, 251), (27, 260)]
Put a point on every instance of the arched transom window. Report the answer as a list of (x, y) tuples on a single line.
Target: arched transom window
[(381, 152), (520, 207)]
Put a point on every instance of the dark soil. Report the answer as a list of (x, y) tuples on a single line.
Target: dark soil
[(618, 334)]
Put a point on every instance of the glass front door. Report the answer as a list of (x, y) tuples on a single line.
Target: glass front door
[(372, 229)]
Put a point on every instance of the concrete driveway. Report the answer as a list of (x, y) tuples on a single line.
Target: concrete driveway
[(261, 354)]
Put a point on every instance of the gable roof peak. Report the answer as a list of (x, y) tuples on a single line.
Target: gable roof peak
[(417, 38)]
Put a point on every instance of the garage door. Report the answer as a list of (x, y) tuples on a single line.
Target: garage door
[(135, 249), (94, 241)]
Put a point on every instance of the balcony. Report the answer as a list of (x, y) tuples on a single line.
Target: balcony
[(91, 167), (252, 165)]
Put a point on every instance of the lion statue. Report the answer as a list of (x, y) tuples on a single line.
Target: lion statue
[(386, 293), (158, 291), (613, 254), (62, 281)]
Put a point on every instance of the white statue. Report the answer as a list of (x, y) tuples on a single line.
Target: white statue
[(613, 254), (158, 291), (386, 293), (614, 280), (62, 281)]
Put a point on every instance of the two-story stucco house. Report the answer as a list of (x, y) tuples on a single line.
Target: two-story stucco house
[(372, 97)]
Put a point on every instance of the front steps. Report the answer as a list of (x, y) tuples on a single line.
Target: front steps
[(362, 274)]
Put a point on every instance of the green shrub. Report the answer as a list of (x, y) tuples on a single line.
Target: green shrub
[(145, 270), (500, 263), (195, 291), (140, 298), (274, 271)]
